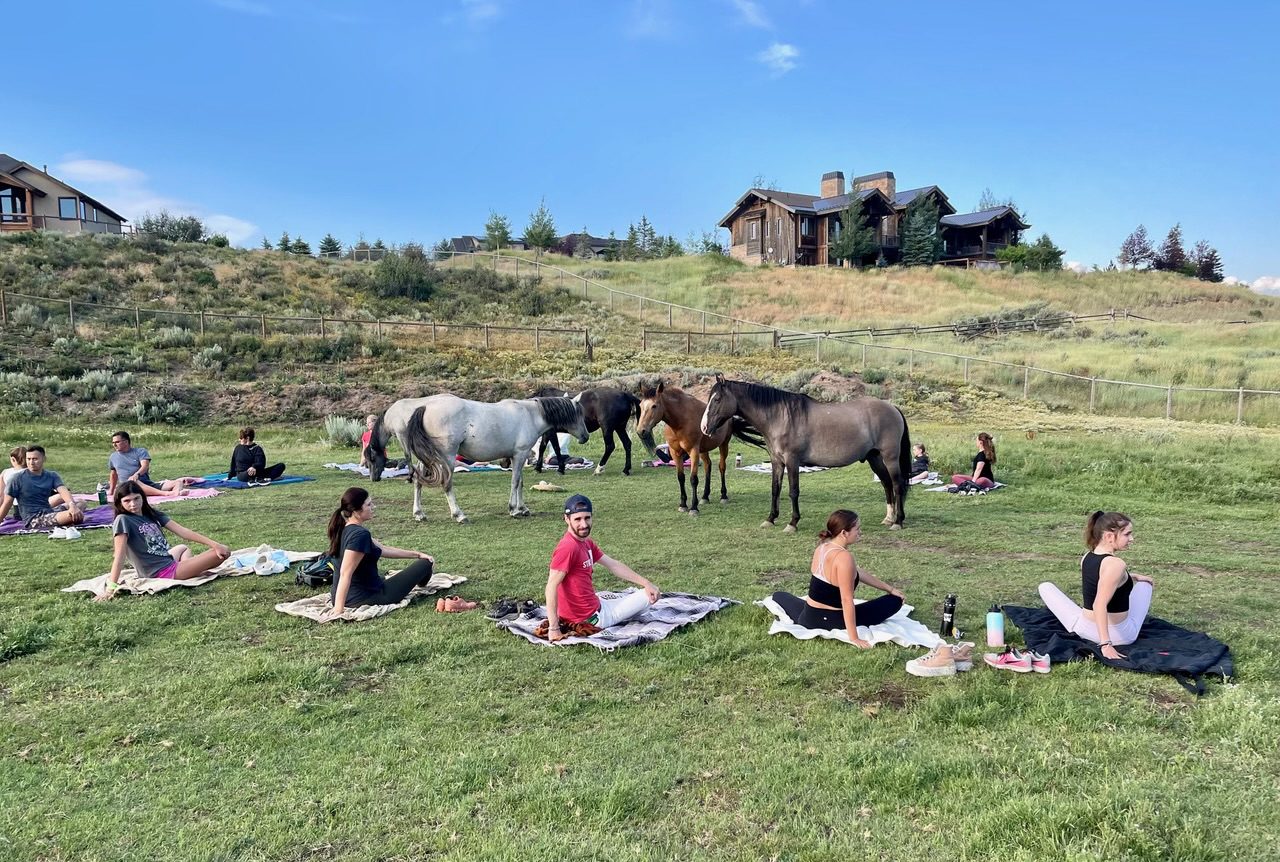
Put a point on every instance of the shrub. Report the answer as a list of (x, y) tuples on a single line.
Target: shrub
[(204, 278), (874, 375), (406, 275), (28, 315), (153, 409), (29, 410), (341, 431), (173, 336), (173, 228), (219, 240), (211, 360)]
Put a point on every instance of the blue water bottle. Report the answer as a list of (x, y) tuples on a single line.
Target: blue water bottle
[(995, 627)]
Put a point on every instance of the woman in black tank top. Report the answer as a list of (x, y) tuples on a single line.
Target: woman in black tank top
[(834, 575)]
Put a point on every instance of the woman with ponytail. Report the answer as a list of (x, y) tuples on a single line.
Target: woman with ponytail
[(983, 462), (357, 581), (834, 575), (1116, 601)]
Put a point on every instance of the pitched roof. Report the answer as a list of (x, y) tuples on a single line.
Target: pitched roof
[(839, 202), (10, 179), (10, 165), (983, 217)]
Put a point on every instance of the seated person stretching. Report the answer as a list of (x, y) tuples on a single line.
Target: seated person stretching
[(129, 463), (33, 489), (249, 462), (1116, 601), (571, 594), (834, 575)]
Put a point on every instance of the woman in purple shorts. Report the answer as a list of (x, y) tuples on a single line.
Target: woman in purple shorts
[(139, 536)]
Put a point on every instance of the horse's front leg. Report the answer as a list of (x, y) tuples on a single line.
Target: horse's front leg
[(793, 474), (626, 447), (706, 483), (515, 505), (677, 457), (608, 450), (695, 461), (542, 451), (724, 463), (775, 490)]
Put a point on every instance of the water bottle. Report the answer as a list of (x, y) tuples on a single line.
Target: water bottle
[(995, 627), (948, 615), (102, 494), (737, 461)]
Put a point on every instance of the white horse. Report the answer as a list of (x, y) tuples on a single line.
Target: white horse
[(437, 429)]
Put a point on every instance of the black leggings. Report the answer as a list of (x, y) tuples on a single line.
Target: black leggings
[(398, 585), (806, 615), (275, 471)]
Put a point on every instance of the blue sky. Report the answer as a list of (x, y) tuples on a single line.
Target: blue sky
[(412, 120)]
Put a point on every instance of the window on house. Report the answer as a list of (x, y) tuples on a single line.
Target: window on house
[(12, 204), (834, 229), (766, 230), (779, 228), (66, 208), (755, 230), (806, 226)]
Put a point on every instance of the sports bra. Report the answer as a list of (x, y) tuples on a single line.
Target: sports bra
[(823, 591), (1090, 569)]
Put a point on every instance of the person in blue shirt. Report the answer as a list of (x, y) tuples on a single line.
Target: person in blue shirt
[(129, 463), (34, 490)]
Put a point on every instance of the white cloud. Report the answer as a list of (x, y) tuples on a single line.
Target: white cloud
[(751, 14), (480, 11), (1075, 266), (246, 7), (127, 191), (779, 58), (1268, 284), (1232, 280)]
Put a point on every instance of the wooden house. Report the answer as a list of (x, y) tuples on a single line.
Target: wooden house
[(32, 199)]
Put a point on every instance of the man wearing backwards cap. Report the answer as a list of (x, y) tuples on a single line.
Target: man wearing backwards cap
[(571, 594)]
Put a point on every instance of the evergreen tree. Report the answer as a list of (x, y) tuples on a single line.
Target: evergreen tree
[(497, 232), (330, 246), (669, 246), (1171, 256), (646, 239), (1209, 265), (284, 244), (921, 239), (629, 249), (540, 235), (300, 246), (582, 248), (1136, 249), (855, 239), (1044, 255), (379, 244), (266, 244), (613, 250), (442, 250)]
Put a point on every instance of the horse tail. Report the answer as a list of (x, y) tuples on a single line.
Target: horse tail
[(904, 456), (633, 404), (435, 470), (747, 433)]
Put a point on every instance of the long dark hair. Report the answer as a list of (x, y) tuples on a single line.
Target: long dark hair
[(353, 500), (840, 520), (1103, 522), (988, 446), (123, 490)]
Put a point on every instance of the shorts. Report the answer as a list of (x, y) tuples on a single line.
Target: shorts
[(168, 572), (45, 520)]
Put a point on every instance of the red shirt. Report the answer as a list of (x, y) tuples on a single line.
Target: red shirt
[(576, 595), (364, 440)]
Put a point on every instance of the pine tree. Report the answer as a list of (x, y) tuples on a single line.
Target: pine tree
[(1044, 255), (284, 244), (921, 239), (646, 239), (1171, 256), (855, 239), (540, 235), (330, 246), (379, 244), (442, 250), (582, 248), (497, 232), (613, 250), (1209, 266), (630, 247), (300, 246), (1136, 249), (266, 244)]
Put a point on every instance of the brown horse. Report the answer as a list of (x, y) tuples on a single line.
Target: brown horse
[(682, 414)]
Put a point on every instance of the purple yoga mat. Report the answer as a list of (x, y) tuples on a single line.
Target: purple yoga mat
[(102, 516)]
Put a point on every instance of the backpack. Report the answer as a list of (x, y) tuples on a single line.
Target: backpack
[(317, 573)]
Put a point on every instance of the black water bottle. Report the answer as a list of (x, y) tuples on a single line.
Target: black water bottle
[(948, 615)]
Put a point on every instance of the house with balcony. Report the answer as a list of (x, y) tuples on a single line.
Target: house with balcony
[(797, 229), (33, 199)]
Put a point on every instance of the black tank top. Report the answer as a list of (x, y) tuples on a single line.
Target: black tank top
[(824, 592), (1090, 569)]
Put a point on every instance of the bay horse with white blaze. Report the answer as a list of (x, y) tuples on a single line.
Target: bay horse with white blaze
[(800, 431), (605, 410), (682, 414), (437, 429)]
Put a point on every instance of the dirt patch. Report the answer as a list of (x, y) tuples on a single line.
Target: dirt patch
[(253, 639), (1167, 701), (886, 695), (1197, 571), (829, 386), (777, 577)]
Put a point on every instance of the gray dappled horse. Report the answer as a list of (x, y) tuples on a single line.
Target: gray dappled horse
[(800, 431), (437, 429), (604, 409)]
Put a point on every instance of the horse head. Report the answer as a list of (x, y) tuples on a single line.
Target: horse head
[(565, 414), (722, 406), (376, 452), (650, 414)]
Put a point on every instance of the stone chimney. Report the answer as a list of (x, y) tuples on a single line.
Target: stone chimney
[(832, 184), (883, 181)]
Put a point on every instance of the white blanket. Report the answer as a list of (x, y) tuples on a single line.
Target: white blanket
[(994, 487), (767, 467), (130, 582), (314, 607), (389, 473), (899, 628)]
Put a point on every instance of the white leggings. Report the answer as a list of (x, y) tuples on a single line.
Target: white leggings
[(1072, 617), (614, 611)]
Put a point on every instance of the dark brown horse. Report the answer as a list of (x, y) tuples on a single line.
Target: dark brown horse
[(682, 414), (605, 410), (801, 431)]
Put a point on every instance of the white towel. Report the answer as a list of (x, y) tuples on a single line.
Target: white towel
[(899, 628), (130, 582)]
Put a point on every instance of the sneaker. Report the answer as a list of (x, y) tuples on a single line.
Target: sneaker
[(1011, 659), (1039, 661), (962, 654), (936, 662), (502, 609), (524, 607), (455, 605)]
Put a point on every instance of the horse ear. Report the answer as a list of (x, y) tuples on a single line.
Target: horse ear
[(577, 399), (660, 385), (719, 378)]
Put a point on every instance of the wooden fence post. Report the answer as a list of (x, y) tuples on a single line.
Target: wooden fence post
[(202, 323), (586, 343), (864, 356), (704, 323), (644, 339), (263, 320), (1168, 403), (817, 348), (137, 321), (71, 314), (1026, 382), (584, 287), (517, 266), (4, 308), (966, 369), (322, 335), (688, 343), (1093, 390), (1240, 407), (486, 326), (537, 341), (377, 328), (776, 339), (733, 342), (668, 315), (911, 362)]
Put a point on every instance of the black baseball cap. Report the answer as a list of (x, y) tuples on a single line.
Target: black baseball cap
[(577, 503)]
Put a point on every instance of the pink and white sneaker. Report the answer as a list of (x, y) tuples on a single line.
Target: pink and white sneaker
[(1011, 659), (1039, 661)]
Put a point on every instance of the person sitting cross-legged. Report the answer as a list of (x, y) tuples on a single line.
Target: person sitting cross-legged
[(33, 489), (249, 462), (571, 596)]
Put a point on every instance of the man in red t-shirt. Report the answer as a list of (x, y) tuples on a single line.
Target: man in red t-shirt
[(571, 594)]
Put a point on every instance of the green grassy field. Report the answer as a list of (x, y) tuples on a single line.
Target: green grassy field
[(202, 725)]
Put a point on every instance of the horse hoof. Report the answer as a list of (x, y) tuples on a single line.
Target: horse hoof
[(723, 500), (895, 526), (598, 470), (682, 509), (789, 528), (419, 517), (693, 513), (766, 523), (463, 520), (627, 471)]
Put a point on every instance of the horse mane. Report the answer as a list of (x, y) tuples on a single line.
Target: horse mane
[(559, 412), (378, 437), (768, 396)]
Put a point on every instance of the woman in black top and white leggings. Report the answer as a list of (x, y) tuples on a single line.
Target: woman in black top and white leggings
[(356, 581), (1116, 601), (834, 575)]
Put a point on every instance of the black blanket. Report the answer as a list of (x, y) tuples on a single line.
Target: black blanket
[(1161, 647)]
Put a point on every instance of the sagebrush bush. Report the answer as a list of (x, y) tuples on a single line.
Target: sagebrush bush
[(27, 315), (154, 409), (210, 360), (173, 336), (342, 431)]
